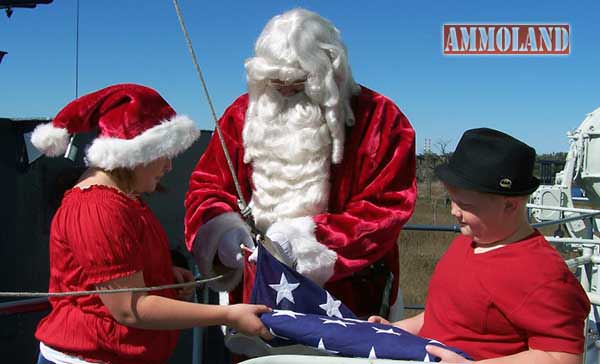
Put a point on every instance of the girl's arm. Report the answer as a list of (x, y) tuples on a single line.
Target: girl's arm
[(147, 311)]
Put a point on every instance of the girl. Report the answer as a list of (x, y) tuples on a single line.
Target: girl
[(103, 236)]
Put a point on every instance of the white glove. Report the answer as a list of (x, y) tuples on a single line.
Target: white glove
[(229, 251), (281, 241)]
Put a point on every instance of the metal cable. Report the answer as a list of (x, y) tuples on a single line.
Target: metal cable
[(242, 201), (245, 209), (108, 291)]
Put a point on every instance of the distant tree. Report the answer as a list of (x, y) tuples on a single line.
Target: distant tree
[(556, 156), (426, 163), (548, 164), (442, 146)]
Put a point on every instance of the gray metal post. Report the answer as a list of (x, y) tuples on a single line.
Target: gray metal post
[(200, 296), (586, 278)]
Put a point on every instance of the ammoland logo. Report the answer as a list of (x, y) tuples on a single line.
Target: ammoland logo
[(500, 39)]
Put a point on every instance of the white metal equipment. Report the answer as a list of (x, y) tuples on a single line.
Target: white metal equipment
[(555, 202)]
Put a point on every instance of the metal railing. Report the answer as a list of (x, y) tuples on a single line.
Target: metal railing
[(586, 264)]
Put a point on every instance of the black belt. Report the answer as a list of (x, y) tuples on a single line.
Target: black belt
[(377, 268)]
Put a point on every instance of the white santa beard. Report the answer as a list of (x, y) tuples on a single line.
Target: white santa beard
[(289, 145)]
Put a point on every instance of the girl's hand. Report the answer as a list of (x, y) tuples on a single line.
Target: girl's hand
[(183, 275), (244, 318)]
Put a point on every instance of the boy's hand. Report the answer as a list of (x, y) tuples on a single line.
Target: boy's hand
[(447, 356), (181, 276), (378, 320), (244, 318)]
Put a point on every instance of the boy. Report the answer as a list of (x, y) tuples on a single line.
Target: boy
[(501, 293)]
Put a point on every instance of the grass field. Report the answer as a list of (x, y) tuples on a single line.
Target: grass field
[(420, 250)]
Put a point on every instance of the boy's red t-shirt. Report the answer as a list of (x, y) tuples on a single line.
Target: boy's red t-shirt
[(506, 300), (99, 234)]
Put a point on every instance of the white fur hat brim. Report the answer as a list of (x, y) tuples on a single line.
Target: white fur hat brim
[(167, 139)]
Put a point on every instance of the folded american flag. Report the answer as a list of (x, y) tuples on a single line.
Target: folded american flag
[(304, 313)]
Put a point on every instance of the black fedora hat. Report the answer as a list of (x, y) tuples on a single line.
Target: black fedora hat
[(487, 160)]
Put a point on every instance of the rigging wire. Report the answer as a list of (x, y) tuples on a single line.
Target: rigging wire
[(241, 201), (109, 291), (77, 51), (71, 152), (245, 209)]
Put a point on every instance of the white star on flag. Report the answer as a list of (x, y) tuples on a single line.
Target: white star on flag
[(308, 316), (284, 289), (321, 346), (287, 313), (339, 322), (388, 331), (332, 307), (372, 354)]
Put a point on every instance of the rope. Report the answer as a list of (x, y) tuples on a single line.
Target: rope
[(107, 291), (245, 209), (242, 201)]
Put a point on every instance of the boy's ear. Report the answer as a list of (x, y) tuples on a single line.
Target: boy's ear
[(513, 203)]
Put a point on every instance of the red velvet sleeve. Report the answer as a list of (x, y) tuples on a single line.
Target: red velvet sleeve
[(211, 189), (374, 188)]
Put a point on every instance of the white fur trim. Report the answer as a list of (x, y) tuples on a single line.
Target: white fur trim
[(50, 140), (167, 139), (314, 259), (205, 248)]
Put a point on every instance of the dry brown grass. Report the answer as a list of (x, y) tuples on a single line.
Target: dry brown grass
[(420, 250)]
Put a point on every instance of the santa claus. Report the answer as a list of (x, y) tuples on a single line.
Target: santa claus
[(327, 165)]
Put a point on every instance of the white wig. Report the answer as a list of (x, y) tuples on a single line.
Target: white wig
[(301, 44)]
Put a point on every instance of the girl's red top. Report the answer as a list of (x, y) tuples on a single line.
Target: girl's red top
[(99, 234)]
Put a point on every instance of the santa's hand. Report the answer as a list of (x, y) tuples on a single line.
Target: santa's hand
[(280, 240), (254, 256), (281, 251), (229, 251)]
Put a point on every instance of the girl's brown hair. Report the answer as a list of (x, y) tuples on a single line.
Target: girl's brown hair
[(125, 179)]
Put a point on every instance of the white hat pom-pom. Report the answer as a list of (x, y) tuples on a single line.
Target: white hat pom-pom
[(50, 140)]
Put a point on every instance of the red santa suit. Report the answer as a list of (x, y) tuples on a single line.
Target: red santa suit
[(350, 245)]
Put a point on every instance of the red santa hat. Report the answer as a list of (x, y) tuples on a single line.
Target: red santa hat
[(135, 126)]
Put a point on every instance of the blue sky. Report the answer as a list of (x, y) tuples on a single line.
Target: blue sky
[(395, 47)]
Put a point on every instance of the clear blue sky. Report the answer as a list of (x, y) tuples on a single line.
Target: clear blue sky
[(395, 47)]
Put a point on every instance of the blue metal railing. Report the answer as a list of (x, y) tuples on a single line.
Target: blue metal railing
[(42, 304)]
